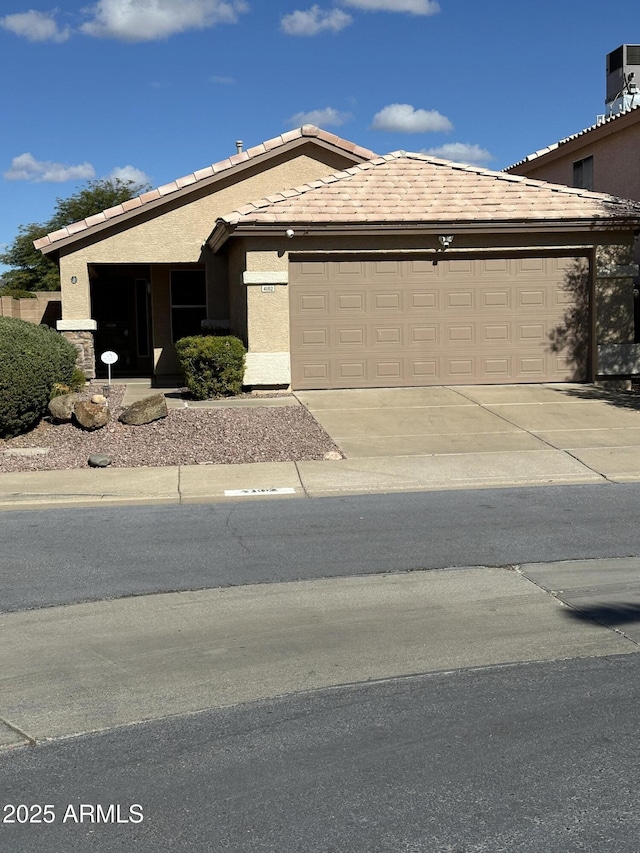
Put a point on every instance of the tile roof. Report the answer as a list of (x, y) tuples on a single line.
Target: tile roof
[(415, 188), (223, 166), (603, 121)]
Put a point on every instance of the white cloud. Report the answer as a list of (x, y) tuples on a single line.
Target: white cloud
[(25, 167), (403, 118), (462, 152), (149, 20), (225, 81), (35, 26), (315, 20), (130, 173), (328, 117), (413, 7)]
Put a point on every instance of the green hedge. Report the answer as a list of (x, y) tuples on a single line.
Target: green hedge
[(32, 359), (213, 366)]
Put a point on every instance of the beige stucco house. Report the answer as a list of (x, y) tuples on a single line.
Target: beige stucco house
[(340, 269)]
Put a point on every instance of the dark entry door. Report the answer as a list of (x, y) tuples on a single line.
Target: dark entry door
[(120, 306)]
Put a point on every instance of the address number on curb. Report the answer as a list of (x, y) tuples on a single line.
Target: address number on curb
[(239, 493)]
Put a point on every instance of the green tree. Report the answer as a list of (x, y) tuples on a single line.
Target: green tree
[(31, 270)]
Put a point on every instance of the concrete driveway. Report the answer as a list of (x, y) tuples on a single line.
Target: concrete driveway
[(574, 428)]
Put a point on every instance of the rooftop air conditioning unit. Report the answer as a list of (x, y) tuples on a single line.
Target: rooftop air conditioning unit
[(623, 65)]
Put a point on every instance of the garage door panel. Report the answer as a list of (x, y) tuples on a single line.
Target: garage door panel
[(421, 335), (350, 302), (314, 303), (494, 333), (401, 323), (425, 371), (426, 300), (391, 369), (458, 335), (494, 300), (460, 300), (352, 370), (497, 368), (535, 299), (352, 337), (389, 336), (316, 371)]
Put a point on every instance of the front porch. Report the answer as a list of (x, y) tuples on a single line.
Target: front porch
[(139, 311)]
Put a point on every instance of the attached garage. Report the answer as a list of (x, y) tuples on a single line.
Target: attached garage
[(406, 270), (367, 322)]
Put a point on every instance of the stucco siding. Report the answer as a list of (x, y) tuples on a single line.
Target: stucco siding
[(176, 235), (268, 318), (614, 148)]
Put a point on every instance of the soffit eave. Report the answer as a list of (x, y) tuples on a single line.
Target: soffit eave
[(224, 230)]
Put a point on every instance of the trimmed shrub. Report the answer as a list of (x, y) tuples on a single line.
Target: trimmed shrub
[(213, 366), (32, 359)]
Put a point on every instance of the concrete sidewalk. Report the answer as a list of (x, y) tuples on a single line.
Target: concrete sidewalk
[(203, 483), (414, 439), (89, 667)]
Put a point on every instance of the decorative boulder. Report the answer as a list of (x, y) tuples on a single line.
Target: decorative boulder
[(91, 415), (61, 408), (99, 460), (145, 411), (99, 398)]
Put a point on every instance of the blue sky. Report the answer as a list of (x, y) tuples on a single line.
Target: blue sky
[(154, 89)]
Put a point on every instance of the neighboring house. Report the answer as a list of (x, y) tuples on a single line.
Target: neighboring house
[(602, 158), (340, 269)]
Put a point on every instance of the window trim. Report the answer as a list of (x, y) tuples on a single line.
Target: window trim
[(579, 181)]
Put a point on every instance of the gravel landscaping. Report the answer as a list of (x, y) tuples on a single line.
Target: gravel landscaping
[(187, 436)]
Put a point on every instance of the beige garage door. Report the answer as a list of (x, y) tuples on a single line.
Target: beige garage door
[(373, 323)]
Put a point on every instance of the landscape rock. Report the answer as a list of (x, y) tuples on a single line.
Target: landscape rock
[(99, 398), (99, 460), (91, 415), (145, 411), (61, 408), (333, 455)]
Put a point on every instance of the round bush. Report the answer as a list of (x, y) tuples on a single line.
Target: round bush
[(32, 359), (212, 366)]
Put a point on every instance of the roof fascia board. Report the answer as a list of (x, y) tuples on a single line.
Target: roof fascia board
[(224, 231), (235, 170), (460, 227)]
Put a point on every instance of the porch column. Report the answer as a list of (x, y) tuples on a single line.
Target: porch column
[(80, 333)]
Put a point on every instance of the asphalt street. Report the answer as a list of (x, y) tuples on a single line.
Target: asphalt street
[(522, 758), (324, 686), (53, 557)]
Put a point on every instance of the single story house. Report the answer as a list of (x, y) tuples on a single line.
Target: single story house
[(342, 269)]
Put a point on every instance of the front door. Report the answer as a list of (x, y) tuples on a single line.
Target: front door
[(120, 304)]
